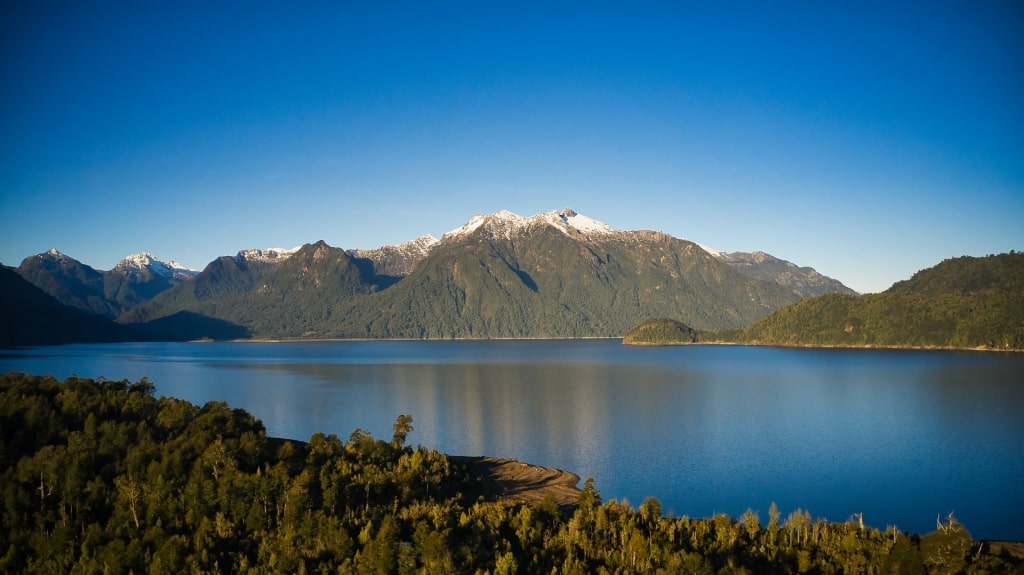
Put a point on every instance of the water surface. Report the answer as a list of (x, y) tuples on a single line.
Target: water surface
[(901, 436)]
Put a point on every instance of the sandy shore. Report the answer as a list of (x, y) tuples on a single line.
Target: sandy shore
[(522, 483)]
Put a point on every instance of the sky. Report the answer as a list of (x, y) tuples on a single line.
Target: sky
[(868, 140)]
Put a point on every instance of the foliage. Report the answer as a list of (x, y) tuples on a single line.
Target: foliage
[(964, 303), (101, 476), (660, 331)]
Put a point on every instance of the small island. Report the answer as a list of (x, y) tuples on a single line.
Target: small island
[(660, 331)]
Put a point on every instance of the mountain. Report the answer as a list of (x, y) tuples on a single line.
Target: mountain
[(556, 274), (965, 302), (135, 279), (286, 294), (803, 281), (29, 316), (560, 274), (69, 281), (399, 260)]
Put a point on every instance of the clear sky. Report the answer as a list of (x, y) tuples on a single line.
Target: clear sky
[(865, 139)]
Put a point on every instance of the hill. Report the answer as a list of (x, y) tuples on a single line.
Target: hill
[(965, 302), (660, 331)]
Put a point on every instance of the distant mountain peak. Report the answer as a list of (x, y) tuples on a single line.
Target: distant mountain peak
[(52, 257), (268, 255), (398, 259), (804, 281), (147, 261), (505, 224)]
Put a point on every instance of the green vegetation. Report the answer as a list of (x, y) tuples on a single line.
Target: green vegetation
[(541, 284), (963, 303), (100, 476), (660, 331)]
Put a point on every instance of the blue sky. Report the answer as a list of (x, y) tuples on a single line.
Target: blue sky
[(867, 140)]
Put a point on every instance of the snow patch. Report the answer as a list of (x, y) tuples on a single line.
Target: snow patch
[(583, 223), (710, 250), (146, 260), (505, 224), (267, 255)]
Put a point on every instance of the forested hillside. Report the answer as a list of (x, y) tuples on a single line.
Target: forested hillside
[(963, 302), (660, 331), (101, 476), (538, 281), (28, 316)]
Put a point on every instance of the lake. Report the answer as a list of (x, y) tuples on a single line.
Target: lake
[(901, 436)]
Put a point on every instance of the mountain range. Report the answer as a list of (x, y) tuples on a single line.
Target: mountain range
[(555, 274), (135, 279)]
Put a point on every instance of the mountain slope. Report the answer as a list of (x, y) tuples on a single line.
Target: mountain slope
[(964, 302), (507, 276), (399, 260), (135, 279), (283, 296), (554, 274), (557, 274), (69, 281), (803, 281), (29, 316)]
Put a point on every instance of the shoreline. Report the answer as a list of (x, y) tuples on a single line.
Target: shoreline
[(519, 483)]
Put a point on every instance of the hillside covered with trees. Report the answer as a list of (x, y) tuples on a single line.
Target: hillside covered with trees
[(964, 302), (102, 476), (660, 331)]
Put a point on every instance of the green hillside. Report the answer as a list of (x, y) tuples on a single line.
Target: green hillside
[(540, 282), (660, 331), (964, 302)]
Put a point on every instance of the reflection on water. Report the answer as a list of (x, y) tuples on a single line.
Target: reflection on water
[(899, 436), (562, 413)]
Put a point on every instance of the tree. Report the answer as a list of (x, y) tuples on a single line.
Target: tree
[(945, 549), (403, 427)]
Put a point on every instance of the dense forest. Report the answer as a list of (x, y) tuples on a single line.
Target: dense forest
[(102, 476), (660, 331), (963, 302)]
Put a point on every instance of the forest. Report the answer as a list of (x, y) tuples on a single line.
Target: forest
[(963, 302), (103, 476)]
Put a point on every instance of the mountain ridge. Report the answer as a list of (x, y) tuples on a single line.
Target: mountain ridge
[(964, 302), (552, 274)]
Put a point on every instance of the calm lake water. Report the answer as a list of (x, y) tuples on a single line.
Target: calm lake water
[(901, 436)]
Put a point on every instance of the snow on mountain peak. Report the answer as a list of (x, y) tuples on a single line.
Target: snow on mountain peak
[(710, 250), (504, 223), (268, 255), (146, 260), (583, 223)]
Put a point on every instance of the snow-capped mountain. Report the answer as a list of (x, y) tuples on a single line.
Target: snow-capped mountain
[(136, 278), (135, 266), (268, 255), (556, 273), (506, 224), (400, 259)]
